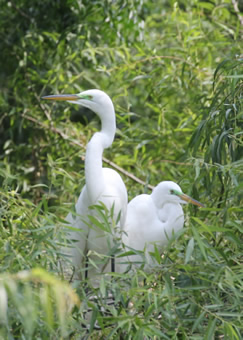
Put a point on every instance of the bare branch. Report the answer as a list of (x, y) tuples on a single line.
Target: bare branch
[(20, 11), (77, 143), (237, 11)]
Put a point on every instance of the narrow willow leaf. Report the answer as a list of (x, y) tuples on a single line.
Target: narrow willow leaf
[(230, 332), (200, 242), (93, 319), (97, 223), (102, 286), (210, 329), (156, 254), (47, 305), (61, 307), (3, 304), (237, 76), (198, 321), (189, 250)]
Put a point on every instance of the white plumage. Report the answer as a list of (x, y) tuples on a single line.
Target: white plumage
[(152, 219), (102, 184)]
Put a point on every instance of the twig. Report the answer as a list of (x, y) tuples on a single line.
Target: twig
[(43, 108), (75, 142), (154, 57), (20, 11), (237, 11), (171, 162), (126, 173)]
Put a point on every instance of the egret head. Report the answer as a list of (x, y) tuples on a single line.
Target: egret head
[(95, 100), (170, 192)]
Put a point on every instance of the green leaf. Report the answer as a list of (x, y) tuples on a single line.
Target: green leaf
[(210, 329), (189, 250), (199, 242)]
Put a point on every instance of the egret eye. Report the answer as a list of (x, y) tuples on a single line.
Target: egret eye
[(86, 96), (175, 192)]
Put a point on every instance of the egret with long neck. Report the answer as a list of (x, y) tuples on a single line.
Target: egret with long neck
[(102, 184)]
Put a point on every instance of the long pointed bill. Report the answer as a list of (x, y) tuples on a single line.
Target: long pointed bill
[(63, 97), (188, 199)]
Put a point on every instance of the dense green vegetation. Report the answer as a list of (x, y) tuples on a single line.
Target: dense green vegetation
[(174, 72)]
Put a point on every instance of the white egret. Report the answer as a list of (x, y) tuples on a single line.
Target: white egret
[(102, 184), (152, 219)]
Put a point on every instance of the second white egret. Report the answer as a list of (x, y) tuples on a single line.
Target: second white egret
[(152, 219)]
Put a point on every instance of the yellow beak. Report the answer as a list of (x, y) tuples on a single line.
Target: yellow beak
[(63, 97), (190, 200)]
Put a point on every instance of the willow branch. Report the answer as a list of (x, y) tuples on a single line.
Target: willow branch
[(158, 57), (237, 11), (77, 143), (19, 10)]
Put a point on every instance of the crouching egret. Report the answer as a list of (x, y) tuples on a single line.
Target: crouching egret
[(102, 184), (152, 219)]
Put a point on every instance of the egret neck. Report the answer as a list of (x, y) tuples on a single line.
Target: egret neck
[(93, 160)]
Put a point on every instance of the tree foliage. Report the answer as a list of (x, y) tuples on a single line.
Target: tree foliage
[(174, 72)]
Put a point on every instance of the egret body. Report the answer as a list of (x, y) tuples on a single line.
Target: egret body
[(102, 184), (152, 219)]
